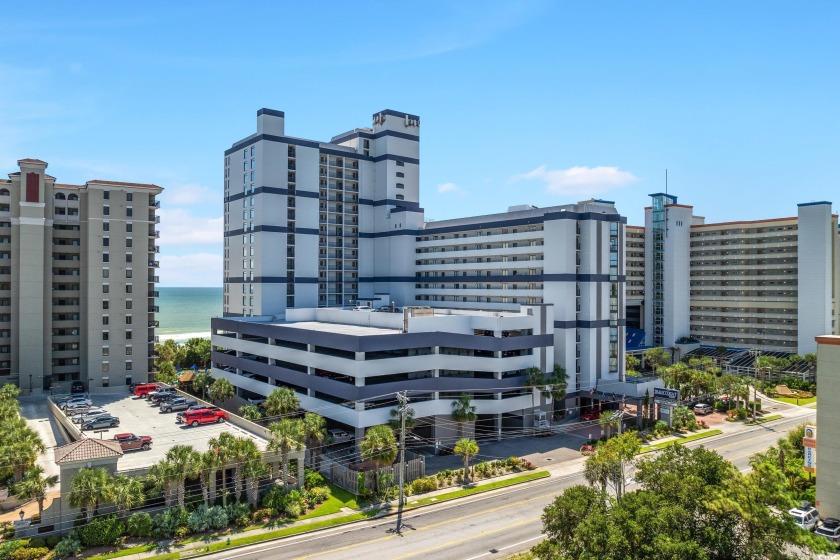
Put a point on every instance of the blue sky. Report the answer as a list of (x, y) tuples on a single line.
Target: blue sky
[(521, 102)]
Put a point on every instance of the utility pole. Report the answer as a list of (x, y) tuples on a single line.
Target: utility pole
[(755, 354), (404, 410)]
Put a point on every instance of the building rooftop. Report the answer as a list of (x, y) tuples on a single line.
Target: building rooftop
[(87, 449), (121, 184), (340, 328)]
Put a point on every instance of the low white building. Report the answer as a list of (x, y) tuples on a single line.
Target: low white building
[(348, 365)]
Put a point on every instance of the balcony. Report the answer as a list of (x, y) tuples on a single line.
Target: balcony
[(154, 325), (154, 279), (154, 293), (154, 309), (153, 218), (153, 232), (154, 203), (154, 264), (154, 338), (154, 248)]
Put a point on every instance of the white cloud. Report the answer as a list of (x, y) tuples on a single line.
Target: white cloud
[(198, 269), (180, 227), (579, 180), (189, 193), (444, 188)]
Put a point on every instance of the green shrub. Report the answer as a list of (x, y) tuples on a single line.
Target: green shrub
[(423, 485), (313, 479), (741, 413), (140, 525), (199, 520), (102, 531), (181, 532), (262, 515), (317, 495), (53, 540), (68, 546), (274, 500), (661, 428), (294, 504), (218, 517), (30, 553), (9, 547), (37, 542), (720, 406), (165, 523)]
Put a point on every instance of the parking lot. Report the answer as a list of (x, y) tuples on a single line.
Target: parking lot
[(138, 416)]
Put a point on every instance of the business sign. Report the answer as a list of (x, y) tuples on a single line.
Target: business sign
[(663, 394), (809, 443)]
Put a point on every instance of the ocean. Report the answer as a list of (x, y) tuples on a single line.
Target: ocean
[(186, 312)]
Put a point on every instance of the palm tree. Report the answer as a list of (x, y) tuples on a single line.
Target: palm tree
[(250, 412), (609, 419), (253, 469), (379, 447), (208, 465), (221, 390), (281, 401), (164, 477), (87, 489), (467, 449), (463, 411), (34, 486), (19, 446), (201, 382), (287, 435), (185, 462), (126, 493), (241, 453), (224, 447), (315, 428), (536, 379)]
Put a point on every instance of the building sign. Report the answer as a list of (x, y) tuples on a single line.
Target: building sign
[(810, 445), (661, 394)]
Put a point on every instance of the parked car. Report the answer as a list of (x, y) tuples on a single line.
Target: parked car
[(339, 436), (76, 401), (77, 387), (131, 442), (203, 416), (75, 407), (703, 409), (155, 396), (805, 516), (201, 407), (145, 388), (101, 422), (89, 414), (830, 529), (590, 415), (176, 403), (387, 309), (363, 308)]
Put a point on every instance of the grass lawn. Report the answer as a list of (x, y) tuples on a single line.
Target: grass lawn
[(339, 498), (125, 552), (800, 402), (685, 439), (764, 419)]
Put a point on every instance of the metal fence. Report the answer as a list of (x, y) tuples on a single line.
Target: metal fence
[(344, 477)]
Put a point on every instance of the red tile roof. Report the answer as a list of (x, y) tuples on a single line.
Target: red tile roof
[(87, 449), (29, 160)]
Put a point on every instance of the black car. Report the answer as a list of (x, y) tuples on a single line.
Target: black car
[(101, 422), (163, 398), (77, 387)]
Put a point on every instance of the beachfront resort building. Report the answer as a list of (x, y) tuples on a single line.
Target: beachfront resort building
[(337, 224), (77, 281), (767, 284)]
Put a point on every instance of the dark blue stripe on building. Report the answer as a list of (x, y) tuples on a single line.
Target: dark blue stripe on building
[(581, 324), (317, 145), (269, 280), (514, 278), (272, 229), (370, 136), (272, 112)]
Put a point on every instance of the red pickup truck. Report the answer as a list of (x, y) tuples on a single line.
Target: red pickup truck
[(145, 389), (202, 416), (130, 442)]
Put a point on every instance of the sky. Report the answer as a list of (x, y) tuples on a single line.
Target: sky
[(530, 102)]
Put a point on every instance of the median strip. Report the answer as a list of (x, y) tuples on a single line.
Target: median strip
[(686, 439), (764, 419)]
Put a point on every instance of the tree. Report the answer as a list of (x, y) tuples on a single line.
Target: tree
[(609, 466), (770, 365), (185, 462), (88, 488), (250, 412), (631, 364), (683, 419), (463, 411), (379, 447), (164, 477), (281, 402), (126, 493), (34, 486), (166, 373), (536, 378), (208, 465), (287, 435), (657, 357), (201, 382), (315, 428), (197, 352), (225, 448), (253, 468), (608, 420), (467, 449), (169, 351), (221, 390), (562, 520), (19, 446)]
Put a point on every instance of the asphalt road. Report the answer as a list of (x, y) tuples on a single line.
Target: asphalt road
[(492, 525)]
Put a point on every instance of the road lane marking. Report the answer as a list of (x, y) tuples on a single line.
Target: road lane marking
[(520, 543), (466, 539)]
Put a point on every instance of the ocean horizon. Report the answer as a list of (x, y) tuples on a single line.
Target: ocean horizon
[(186, 312)]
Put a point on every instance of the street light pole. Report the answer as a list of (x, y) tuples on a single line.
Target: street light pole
[(404, 409)]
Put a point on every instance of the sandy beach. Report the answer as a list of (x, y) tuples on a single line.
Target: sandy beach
[(183, 337)]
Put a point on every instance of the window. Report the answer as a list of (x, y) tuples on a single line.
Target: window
[(400, 197), (105, 351), (245, 153), (106, 211), (128, 227), (105, 288), (129, 212), (106, 257), (106, 241), (106, 226), (400, 186), (105, 320), (128, 365), (128, 350), (106, 195), (128, 335), (128, 304), (400, 164), (128, 273), (129, 197), (106, 367), (128, 257), (105, 335), (106, 304), (128, 288), (105, 273), (252, 150), (400, 174), (128, 319), (128, 242)]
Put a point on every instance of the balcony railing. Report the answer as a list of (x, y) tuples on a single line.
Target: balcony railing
[(154, 339), (154, 278), (154, 293), (154, 309), (154, 203), (153, 232), (154, 264), (153, 218), (154, 324), (154, 248)]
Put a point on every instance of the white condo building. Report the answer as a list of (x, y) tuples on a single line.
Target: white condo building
[(333, 224)]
